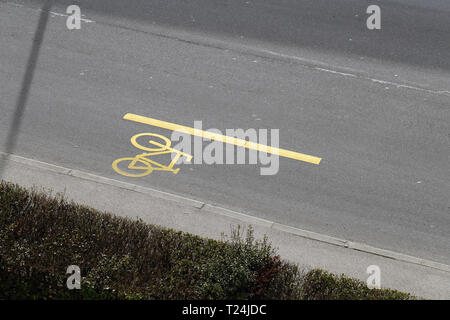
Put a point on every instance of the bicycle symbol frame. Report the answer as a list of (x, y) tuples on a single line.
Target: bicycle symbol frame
[(147, 165)]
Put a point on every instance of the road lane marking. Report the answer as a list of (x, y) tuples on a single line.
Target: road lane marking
[(57, 14), (225, 139)]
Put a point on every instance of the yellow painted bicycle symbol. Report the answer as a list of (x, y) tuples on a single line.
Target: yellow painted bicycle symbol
[(141, 165)]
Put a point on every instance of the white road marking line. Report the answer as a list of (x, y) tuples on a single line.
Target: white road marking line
[(51, 12)]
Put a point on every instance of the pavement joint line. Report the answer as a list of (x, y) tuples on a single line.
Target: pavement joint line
[(262, 53), (229, 213), (238, 215)]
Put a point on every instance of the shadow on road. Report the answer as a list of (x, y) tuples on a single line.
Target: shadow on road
[(26, 82)]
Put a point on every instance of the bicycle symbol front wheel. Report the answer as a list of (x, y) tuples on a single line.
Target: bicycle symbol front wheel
[(165, 145), (130, 163)]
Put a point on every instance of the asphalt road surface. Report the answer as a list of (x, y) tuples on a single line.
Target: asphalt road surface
[(373, 104)]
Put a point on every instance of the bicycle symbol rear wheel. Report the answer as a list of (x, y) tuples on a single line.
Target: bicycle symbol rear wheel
[(129, 163)]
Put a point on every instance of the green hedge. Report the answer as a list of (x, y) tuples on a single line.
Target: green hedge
[(41, 235)]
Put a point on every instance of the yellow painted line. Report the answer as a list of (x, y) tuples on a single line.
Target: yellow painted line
[(225, 139)]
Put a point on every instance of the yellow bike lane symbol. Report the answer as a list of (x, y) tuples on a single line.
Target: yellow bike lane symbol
[(141, 165)]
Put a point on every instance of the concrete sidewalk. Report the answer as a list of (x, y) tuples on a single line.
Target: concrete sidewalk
[(417, 276)]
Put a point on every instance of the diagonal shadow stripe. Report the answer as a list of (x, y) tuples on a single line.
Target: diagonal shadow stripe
[(27, 80)]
